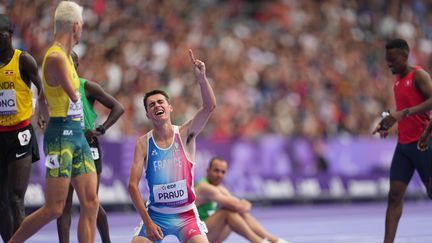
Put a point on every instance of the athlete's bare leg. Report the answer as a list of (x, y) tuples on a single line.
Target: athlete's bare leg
[(56, 190), (257, 228), (13, 185), (140, 239), (198, 239), (85, 187), (64, 221), (216, 224), (394, 209), (5, 211), (236, 223), (102, 220)]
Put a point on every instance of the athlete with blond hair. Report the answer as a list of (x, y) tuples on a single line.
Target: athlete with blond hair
[(68, 155)]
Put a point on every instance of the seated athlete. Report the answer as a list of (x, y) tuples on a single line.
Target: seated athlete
[(222, 212)]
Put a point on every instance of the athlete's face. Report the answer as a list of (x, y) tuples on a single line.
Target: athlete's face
[(5, 40), (216, 173), (77, 31), (396, 60), (158, 108), (75, 60)]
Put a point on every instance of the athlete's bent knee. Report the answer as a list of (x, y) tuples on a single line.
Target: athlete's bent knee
[(55, 210), (90, 204), (395, 197)]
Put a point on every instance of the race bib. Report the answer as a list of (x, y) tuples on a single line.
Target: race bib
[(8, 104), (24, 137), (171, 192), (95, 153), (75, 109), (52, 161)]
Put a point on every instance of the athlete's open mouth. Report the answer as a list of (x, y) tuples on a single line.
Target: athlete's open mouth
[(158, 113)]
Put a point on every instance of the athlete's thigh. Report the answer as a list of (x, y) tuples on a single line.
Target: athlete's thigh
[(198, 239), (58, 149), (3, 185), (19, 174), (188, 225), (402, 167), (82, 162), (140, 239), (216, 224), (56, 190), (85, 185), (422, 163)]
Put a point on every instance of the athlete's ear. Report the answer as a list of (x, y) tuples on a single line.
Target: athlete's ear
[(75, 27), (170, 108)]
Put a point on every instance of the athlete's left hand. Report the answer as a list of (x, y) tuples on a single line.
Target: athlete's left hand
[(246, 205), (41, 122), (423, 142), (385, 124), (91, 134), (154, 232)]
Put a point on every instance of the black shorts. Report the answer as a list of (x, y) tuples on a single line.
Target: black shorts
[(15, 145), (96, 154), (406, 159)]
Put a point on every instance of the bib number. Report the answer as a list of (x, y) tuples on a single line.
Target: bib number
[(8, 104), (24, 137), (52, 161), (95, 153)]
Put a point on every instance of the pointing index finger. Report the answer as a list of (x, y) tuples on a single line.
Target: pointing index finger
[(191, 55)]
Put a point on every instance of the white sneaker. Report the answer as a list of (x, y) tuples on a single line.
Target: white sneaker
[(280, 240), (265, 241)]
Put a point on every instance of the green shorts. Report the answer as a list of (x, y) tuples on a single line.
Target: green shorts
[(66, 149)]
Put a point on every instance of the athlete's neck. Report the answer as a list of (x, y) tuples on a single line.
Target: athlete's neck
[(65, 42), (163, 132), (406, 71), (6, 57)]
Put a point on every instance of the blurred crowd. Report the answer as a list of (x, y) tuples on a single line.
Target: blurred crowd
[(292, 67)]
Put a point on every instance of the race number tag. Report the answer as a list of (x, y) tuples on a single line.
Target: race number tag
[(171, 192), (52, 161), (8, 105), (24, 137), (95, 153), (75, 109)]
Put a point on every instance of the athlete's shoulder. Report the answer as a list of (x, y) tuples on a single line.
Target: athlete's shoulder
[(142, 139), (202, 183), (420, 74), (27, 60)]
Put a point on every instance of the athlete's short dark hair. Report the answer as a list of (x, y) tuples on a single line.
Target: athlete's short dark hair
[(213, 159), (5, 24), (154, 92), (397, 44)]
